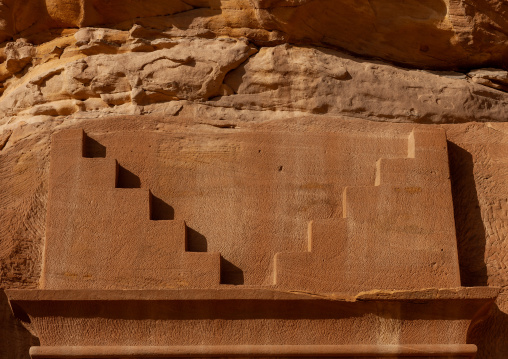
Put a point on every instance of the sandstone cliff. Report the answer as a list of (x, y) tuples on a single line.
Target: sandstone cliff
[(222, 65)]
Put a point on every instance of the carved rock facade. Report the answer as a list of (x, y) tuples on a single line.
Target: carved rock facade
[(214, 178)]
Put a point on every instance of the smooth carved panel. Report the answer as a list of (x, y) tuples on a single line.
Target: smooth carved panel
[(378, 208), (100, 236), (398, 233)]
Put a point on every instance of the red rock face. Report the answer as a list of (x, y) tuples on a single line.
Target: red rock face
[(382, 223), (244, 178), (382, 230)]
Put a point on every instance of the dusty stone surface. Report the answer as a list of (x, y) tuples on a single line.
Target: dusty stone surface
[(362, 324), (179, 71), (431, 33), (115, 219), (195, 70), (478, 159), (109, 71), (494, 78), (103, 229), (324, 81), (480, 177)]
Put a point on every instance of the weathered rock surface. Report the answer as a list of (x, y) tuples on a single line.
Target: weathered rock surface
[(272, 66), (113, 71), (324, 81), (432, 33), (494, 78), (477, 157), (479, 173), (179, 70)]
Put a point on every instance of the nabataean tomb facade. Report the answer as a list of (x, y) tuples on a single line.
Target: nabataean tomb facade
[(253, 179)]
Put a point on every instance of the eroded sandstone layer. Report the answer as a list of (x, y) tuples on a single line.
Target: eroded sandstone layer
[(199, 87)]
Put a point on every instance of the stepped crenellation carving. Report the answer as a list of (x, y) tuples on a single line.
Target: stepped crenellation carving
[(99, 236), (391, 232), (380, 276)]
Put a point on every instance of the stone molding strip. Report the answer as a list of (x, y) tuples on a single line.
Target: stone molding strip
[(251, 322), (255, 293), (209, 351)]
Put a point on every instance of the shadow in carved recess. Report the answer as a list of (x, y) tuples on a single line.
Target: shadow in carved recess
[(160, 210), (266, 309), (468, 220), (196, 242), (93, 149), (230, 273), (15, 340), (127, 179)]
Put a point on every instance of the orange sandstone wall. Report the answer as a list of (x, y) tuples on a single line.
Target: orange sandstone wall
[(205, 73)]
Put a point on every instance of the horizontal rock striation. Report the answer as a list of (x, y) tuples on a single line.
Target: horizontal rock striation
[(108, 71)]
